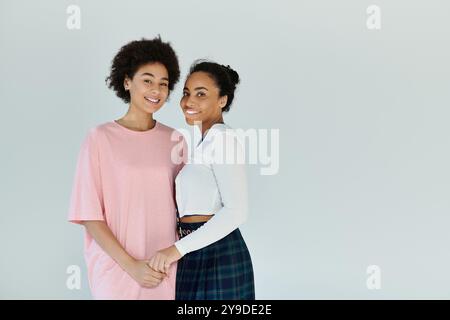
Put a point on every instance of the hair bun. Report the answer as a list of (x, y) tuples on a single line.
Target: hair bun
[(234, 76)]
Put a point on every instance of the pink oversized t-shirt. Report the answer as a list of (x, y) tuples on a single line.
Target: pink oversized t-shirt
[(126, 178)]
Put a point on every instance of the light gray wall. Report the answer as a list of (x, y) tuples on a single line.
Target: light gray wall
[(364, 136)]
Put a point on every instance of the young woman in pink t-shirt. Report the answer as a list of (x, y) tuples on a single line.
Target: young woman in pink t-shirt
[(123, 190)]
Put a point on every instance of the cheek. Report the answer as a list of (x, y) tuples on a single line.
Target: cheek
[(164, 91), (134, 90), (211, 107), (139, 88)]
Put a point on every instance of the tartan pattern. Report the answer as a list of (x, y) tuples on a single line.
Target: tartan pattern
[(221, 271)]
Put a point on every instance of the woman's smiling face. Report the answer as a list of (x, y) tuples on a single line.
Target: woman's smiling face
[(201, 101), (149, 87)]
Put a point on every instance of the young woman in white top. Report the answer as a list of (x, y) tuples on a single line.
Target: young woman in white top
[(211, 193)]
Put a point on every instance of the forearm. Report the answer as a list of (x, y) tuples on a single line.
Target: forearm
[(104, 237), (219, 226)]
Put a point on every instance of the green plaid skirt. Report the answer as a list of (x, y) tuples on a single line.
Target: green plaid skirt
[(221, 271)]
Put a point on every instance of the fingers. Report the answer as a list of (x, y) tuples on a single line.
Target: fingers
[(152, 272), (151, 283), (166, 268), (152, 263), (160, 263), (146, 276), (153, 278), (156, 274)]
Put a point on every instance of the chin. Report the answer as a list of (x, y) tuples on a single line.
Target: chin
[(151, 110)]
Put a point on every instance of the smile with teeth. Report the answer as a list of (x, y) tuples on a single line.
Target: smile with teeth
[(152, 100), (190, 111)]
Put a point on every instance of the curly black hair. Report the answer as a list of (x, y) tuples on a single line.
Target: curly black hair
[(137, 53), (225, 78)]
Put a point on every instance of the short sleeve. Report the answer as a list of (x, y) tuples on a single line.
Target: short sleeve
[(86, 201)]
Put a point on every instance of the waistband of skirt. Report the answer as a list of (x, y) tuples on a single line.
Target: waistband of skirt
[(190, 225), (185, 228)]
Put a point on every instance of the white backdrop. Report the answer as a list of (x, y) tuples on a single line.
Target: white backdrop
[(362, 115)]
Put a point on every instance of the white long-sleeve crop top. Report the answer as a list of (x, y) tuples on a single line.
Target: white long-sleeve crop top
[(213, 182)]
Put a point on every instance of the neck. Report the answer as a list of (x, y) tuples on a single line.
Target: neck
[(137, 119), (207, 124)]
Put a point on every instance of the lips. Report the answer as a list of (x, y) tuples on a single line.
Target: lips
[(191, 111), (152, 100)]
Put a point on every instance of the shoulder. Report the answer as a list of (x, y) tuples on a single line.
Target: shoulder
[(95, 133), (224, 134), (224, 145), (166, 129), (94, 136)]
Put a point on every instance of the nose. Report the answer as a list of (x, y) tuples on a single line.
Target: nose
[(188, 102), (154, 89)]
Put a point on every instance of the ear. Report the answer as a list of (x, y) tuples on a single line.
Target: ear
[(223, 101), (126, 83)]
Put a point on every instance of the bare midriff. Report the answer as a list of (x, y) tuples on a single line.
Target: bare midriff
[(195, 218)]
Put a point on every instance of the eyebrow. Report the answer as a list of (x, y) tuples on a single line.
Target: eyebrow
[(198, 88), (151, 75)]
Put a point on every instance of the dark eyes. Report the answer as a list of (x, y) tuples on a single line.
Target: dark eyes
[(164, 84), (199, 94)]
